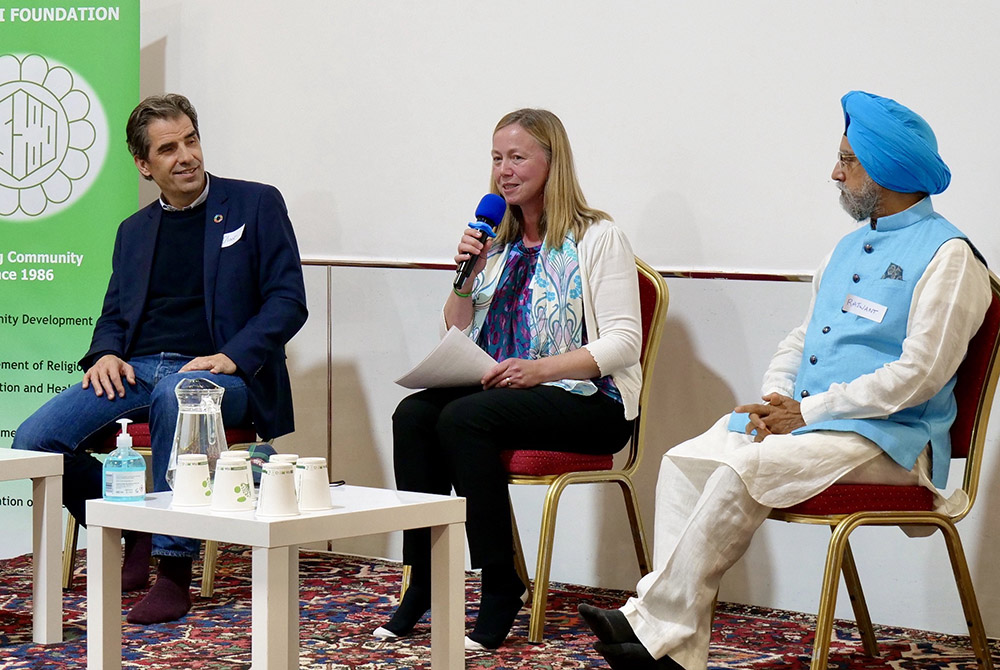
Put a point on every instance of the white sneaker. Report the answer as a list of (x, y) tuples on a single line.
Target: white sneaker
[(384, 634), (472, 645)]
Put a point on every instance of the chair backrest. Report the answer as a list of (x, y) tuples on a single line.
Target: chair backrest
[(975, 387), (654, 298)]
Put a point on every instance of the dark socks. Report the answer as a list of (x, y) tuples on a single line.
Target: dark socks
[(633, 656), (610, 626), (135, 566), (415, 603), (170, 597), (503, 597)]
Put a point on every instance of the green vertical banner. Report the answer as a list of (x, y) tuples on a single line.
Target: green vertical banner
[(69, 77)]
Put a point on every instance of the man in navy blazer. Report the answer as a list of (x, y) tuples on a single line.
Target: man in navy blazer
[(205, 282)]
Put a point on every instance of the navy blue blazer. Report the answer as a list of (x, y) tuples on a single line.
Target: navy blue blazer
[(255, 298)]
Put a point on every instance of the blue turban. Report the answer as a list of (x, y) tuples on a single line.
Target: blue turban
[(894, 144)]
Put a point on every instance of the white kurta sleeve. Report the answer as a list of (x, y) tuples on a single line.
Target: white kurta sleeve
[(949, 304), (784, 366)]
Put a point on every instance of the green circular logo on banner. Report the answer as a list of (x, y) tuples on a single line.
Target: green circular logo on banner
[(53, 137)]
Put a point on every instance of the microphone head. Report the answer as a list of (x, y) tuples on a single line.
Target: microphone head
[(491, 209)]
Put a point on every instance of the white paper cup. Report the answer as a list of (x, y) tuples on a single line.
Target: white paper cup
[(192, 483), (313, 484), (230, 492), (287, 458), (244, 456), (277, 491)]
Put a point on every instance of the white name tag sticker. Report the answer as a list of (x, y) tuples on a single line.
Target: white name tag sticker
[(229, 239), (864, 308)]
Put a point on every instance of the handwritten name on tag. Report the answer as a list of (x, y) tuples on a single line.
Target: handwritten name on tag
[(229, 239), (864, 308)]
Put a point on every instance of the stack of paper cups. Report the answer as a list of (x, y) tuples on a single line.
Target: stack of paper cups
[(313, 484), (287, 458), (277, 491)]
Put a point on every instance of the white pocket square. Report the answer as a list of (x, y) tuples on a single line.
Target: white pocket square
[(229, 239)]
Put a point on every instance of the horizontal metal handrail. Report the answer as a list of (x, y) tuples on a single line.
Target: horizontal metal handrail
[(680, 273), (389, 264)]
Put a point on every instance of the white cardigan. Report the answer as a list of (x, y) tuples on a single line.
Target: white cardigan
[(611, 306)]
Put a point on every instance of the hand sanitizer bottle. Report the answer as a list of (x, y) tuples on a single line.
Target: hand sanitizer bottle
[(124, 470)]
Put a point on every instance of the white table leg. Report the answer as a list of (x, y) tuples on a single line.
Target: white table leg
[(448, 596), (292, 621), (275, 608), (46, 500), (104, 598)]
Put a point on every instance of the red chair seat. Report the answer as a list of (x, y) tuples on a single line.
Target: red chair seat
[(141, 440), (882, 505), (542, 463), (850, 498)]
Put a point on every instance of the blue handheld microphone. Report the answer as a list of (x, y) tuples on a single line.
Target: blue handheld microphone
[(488, 216)]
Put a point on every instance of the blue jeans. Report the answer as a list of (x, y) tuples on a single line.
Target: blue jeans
[(76, 418)]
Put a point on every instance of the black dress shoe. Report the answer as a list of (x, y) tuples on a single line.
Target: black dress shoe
[(610, 626), (633, 656)]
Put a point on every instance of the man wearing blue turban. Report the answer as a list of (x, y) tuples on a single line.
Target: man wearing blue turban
[(861, 392), (895, 146)]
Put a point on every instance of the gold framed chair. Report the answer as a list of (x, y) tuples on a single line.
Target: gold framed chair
[(846, 507), (235, 437), (557, 470)]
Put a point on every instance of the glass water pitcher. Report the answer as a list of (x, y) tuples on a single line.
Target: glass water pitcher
[(199, 423)]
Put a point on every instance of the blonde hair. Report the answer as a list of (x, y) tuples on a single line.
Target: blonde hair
[(565, 208)]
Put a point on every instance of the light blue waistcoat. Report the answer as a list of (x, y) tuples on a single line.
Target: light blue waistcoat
[(880, 266)]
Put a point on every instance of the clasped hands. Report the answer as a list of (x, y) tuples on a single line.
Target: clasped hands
[(779, 416), (513, 373)]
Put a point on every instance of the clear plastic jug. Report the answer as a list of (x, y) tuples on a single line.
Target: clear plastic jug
[(199, 423)]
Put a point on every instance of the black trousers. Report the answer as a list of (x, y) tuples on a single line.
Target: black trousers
[(453, 437)]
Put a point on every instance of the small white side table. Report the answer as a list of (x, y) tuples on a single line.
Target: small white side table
[(275, 543), (45, 472)]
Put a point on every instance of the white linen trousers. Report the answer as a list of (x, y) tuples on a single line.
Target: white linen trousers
[(706, 516)]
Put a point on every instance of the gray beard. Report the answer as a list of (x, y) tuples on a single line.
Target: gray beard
[(861, 205)]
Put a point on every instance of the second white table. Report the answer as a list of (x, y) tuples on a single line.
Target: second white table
[(275, 542), (45, 472)]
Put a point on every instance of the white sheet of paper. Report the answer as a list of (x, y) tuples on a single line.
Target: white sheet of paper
[(455, 361)]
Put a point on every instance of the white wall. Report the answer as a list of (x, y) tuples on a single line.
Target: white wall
[(708, 129)]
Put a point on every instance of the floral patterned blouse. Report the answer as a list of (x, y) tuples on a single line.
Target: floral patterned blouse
[(513, 328)]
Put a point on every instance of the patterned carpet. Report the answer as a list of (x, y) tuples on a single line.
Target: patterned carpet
[(343, 598)]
